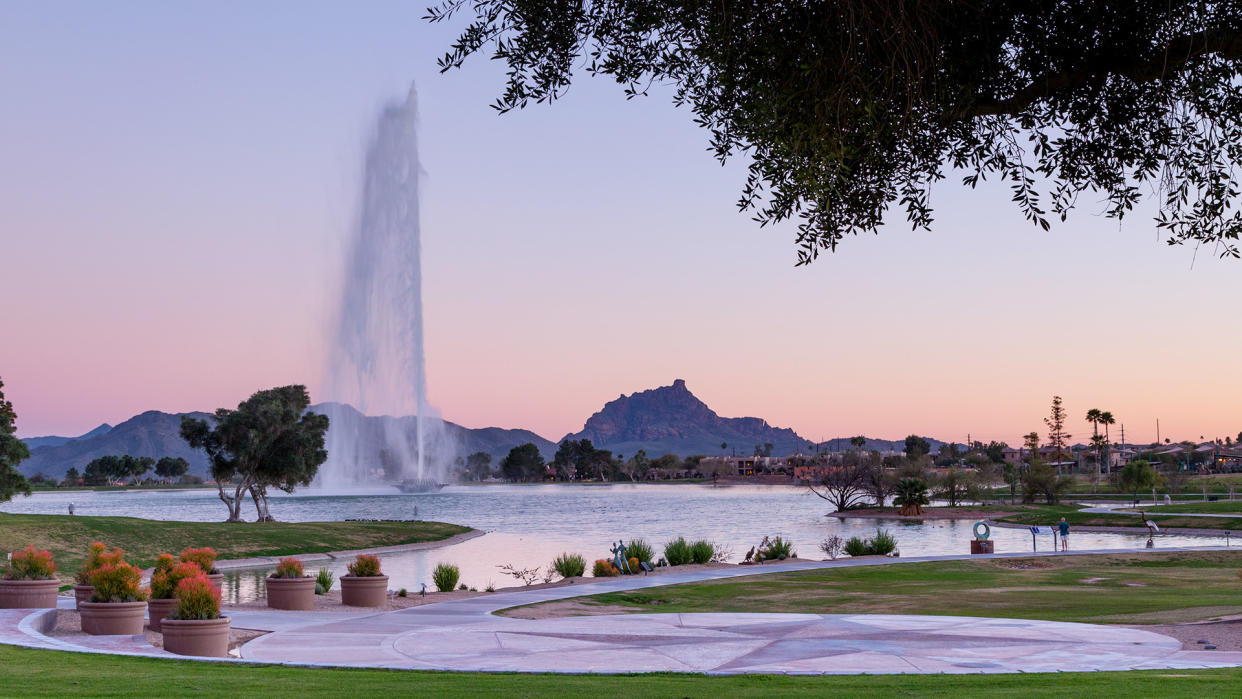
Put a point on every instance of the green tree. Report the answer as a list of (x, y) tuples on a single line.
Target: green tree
[(1137, 475), (954, 486), (478, 466), (1106, 419), (523, 463), (12, 452), (71, 477), (171, 467), (269, 441), (916, 447), (911, 496), (1012, 477), (1057, 436), (995, 451), (845, 108), (858, 442)]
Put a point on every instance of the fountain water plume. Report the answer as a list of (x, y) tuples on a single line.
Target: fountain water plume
[(377, 362)]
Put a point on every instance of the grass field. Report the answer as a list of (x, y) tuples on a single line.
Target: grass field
[(1169, 587), (1218, 507), (52, 673), (1050, 514), (143, 539)]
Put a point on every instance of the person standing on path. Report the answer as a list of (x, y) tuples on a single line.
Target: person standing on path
[(1064, 527)]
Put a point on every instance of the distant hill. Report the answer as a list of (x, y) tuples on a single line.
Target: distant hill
[(153, 433), (843, 444), (671, 420), (52, 441)]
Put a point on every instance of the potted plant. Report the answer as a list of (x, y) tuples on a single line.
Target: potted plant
[(164, 580), (196, 627), (30, 582), (118, 604), (81, 580), (289, 587), (205, 557), (365, 586)]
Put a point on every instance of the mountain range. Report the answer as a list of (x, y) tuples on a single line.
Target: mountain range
[(664, 420)]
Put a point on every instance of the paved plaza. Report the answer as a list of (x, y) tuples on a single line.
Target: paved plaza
[(465, 635)]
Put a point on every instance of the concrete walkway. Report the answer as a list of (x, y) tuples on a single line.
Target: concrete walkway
[(465, 635)]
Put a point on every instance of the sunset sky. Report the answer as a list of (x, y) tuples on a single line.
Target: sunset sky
[(179, 179)]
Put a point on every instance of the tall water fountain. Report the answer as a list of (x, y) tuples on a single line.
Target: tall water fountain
[(376, 362)]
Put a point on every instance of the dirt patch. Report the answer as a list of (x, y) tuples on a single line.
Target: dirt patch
[(1225, 635), (1092, 581), (1025, 564), (568, 607)]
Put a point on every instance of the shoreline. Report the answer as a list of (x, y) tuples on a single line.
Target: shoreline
[(929, 513), (267, 561), (1104, 529)]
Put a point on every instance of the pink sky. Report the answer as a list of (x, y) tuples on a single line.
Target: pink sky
[(174, 217)]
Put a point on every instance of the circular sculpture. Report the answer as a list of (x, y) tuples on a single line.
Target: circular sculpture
[(987, 531)]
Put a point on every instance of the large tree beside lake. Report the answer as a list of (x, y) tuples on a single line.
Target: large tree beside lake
[(843, 109), (12, 452), (269, 441)]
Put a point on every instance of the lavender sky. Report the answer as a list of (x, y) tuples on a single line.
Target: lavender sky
[(179, 178)]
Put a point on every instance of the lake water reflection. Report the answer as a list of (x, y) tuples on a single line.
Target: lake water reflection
[(529, 525)]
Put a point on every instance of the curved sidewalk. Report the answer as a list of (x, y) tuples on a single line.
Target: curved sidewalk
[(466, 635)]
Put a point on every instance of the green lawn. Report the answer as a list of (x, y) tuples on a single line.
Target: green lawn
[(67, 537), (1218, 507), (53, 673), (1116, 588), (1049, 515)]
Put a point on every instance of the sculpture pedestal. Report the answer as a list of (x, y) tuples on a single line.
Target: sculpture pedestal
[(977, 547)]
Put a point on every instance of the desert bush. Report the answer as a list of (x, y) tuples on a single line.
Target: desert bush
[(491, 587), (289, 568), (832, 547), (882, 544), (569, 565), (323, 581), (445, 577), (721, 553), (197, 598), (164, 581), (640, 549), (779, 549), (205, 557), (856, 546), (701, 551), (117, 582), (605, 569), (634, 566), (677, 552), (527, 576), (403, 592), (365, 566), (29, 564)]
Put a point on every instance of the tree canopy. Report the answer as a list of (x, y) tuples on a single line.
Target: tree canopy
[(269, 441), (847, 108), (12, 452), (111, 469), (523, 463)]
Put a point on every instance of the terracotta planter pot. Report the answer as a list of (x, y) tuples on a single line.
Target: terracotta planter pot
[(157, 609), (291, 593), (112, 618), (28, 594), (369, 591), (202, 637), (82, 593), (216, 579)]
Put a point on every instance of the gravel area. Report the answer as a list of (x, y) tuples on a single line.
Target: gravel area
[(1225, 635)]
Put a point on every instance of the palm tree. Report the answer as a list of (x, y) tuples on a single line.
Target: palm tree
[(858, 442), (911, 495), (1106, 419), (1093, 417)]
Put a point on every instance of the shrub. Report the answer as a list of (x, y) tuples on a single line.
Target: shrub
[(569, 565), (677, 552), (205, 558), (445, 576), (323, 581), (491, 587), (633, 566), (403, 592), (605, 569), (117, 582), (164, 563), (164, 582), (641, 550), (883, 543), (856, 546), (702, 551), (95, 554), (29, 564), (197, 598), (365, 566), (832, 546), (289, 568), (779, 549)]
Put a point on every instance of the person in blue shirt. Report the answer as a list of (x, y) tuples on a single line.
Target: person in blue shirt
[(1064, 527)]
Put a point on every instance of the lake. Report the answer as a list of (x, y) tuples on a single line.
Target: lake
[(528, 525)]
